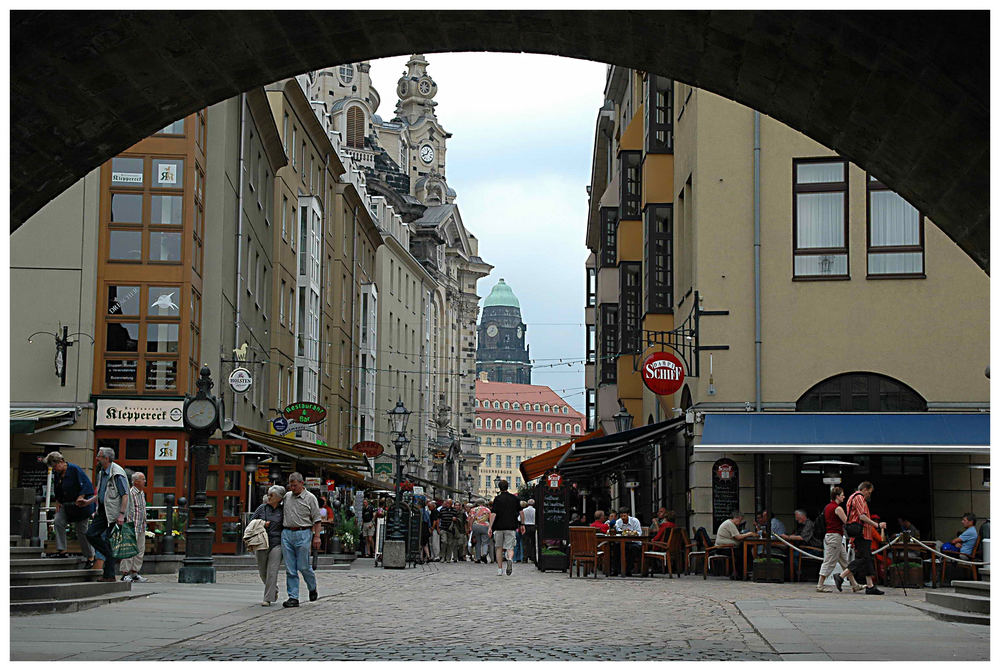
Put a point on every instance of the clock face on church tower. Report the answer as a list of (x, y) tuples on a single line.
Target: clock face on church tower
[(427, 153), (491, 330), (519, 332)]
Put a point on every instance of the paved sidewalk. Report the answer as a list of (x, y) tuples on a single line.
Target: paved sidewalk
[(665, 619)]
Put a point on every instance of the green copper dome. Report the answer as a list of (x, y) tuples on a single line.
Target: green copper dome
[(501, 296)]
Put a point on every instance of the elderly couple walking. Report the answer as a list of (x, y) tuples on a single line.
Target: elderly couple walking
[(291, 520)]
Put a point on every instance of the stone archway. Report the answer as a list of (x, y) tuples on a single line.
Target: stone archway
[(903, 94)]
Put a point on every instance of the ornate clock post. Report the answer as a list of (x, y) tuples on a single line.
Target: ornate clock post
[(201, 419)]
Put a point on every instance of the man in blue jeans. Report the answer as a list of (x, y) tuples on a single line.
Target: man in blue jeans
[(302, 524)]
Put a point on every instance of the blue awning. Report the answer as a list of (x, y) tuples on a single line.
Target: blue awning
[(846, 433)]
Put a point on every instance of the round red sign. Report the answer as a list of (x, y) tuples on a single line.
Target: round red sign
[(663, 373), (369, 448)]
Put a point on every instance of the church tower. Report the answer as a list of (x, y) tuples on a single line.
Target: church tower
[(425, 137), (501, 350)]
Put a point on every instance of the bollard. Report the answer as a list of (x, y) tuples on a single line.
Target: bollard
[(36, 513), (168, 533)]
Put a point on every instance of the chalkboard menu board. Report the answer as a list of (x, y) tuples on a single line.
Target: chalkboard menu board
[(31, 472), (554, 516), (416, 522), (397, 522), (725, 491)]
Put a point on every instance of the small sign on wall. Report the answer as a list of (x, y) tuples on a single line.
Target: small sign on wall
[(165, 450)]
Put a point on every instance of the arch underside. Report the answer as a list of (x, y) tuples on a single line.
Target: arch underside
[(902, 94)]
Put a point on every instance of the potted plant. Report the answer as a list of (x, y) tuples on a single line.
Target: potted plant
[(768, 569), (553, 557), (906, 574), (346, 535)]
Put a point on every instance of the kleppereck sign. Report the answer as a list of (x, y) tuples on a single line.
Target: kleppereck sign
[(663, 373), (139, 413)]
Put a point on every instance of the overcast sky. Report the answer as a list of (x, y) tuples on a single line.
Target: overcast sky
[(519, 158)]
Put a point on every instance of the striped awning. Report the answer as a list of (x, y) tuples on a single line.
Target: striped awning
[(24, 420)]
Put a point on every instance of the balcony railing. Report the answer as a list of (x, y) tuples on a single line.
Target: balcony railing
[(363, 157)]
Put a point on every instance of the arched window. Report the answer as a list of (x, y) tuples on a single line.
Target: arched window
[(576, 428), (479, 422), (517, 443), (861, 392), (531, 443), (508, 445), (506, 405), (517, 406), (548, 427), (507, 425), (489, 423), (565, 410), (531, 426), (545, 407), (558, 427), (496, 405), (477, 402), (355, 128), (517, 425), (536, 407), (346, 73)]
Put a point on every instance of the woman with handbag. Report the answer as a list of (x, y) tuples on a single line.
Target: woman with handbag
[(269, 560), (861, 529), (834, 553)]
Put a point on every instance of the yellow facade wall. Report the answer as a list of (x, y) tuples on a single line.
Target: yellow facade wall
[(629, 241), (657, 178)]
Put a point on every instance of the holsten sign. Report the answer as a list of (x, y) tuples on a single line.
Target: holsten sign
[(663, 373), (140, 413)]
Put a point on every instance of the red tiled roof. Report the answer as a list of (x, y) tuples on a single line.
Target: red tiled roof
[(523, 393)]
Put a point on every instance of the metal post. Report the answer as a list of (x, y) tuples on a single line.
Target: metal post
[(35, 515), (198, 566), (168, 537)]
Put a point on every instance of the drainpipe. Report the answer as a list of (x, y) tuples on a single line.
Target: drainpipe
[(239, 233), (354, 274), (758, 459)]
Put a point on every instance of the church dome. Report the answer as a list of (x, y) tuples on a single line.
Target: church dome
[(501, 296)]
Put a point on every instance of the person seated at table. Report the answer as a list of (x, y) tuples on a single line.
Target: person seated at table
[(633, 549), (906, 526), (777, 527), (599, 523), (966, 541), (729, 535), (612, 520), (805, 531), (665, 523)]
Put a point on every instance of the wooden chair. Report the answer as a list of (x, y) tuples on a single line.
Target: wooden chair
[(728, 555), (583, 549), (975, 556), (695, 548), (666, 552), (798, 566)]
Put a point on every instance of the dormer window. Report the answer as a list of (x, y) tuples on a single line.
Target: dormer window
[(355, 128), (346, 74)]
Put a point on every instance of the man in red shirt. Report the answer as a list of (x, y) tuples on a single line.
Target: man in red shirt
[(599, 523), (861, 528)]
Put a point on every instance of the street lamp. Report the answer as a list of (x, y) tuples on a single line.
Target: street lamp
[(411, 465), (398, 416), (623, 420), (496, 482)]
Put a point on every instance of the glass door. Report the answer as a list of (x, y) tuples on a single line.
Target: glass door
[(225, 493)]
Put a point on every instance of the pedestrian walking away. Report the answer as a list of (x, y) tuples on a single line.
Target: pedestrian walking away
[(112, 505), (136, 516), (834, 551), (271, 512), (528, 520), (503, 523), (860, 527), (301, 520), (72, 490)]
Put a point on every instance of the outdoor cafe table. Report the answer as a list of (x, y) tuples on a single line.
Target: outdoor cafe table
[(621, 540), (904, 549), (758, 546)]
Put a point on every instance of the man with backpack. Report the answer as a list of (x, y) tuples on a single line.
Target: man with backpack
[(861, 528)]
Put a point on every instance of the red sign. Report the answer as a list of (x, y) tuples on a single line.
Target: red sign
[(725, 471), (369, 448), (331, 486), (554, 480), (305, 413), (663, 373)]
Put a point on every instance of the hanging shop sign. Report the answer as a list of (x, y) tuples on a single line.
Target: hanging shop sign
[(438, 456), (262, 475), (383, 472), (240, 380), (554, 480), (304, 412), (369, 448), (725, 490), (331, 486), (663, 373), (314, 482), (139, 413)]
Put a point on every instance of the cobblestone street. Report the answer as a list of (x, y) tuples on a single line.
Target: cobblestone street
[(664, 619), (527, 616)]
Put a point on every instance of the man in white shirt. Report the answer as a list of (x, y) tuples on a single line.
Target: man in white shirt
[(528, 521), (626, 523), (729, 535)]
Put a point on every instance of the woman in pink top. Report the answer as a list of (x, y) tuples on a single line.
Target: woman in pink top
[(480, 519)]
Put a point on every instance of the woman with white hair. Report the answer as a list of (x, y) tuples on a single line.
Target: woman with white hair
[(269, 560), (136, 515)]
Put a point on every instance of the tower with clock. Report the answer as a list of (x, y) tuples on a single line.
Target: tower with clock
[(502, 352), (424, 134)]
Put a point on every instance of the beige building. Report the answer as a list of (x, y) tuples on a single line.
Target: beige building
[(858, 294)]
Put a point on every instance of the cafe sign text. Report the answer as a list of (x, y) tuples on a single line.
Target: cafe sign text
[(663, 373), (139, 413)]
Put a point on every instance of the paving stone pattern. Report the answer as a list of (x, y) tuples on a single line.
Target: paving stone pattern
[(540, 617)]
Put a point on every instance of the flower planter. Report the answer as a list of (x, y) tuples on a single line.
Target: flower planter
[(553, 561), (768, 571), (906, 575)]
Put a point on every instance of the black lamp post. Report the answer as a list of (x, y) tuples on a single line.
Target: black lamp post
[(411, 465), (398, 416), (201, 419), (623, 420)]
